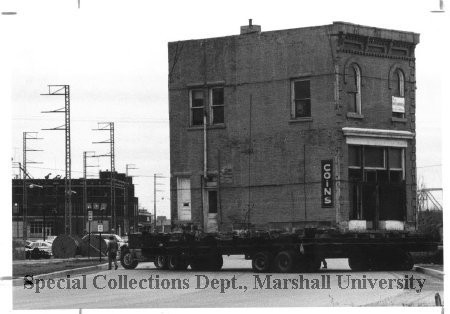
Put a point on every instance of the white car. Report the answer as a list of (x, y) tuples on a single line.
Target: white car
[(38, 249)]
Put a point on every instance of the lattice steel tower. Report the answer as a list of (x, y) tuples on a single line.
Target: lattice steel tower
[(64, 90)]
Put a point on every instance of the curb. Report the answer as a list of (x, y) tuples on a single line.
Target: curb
[(63, 273), (430, 272)]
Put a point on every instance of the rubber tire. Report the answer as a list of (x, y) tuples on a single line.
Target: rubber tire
[(161, 262), (285, 261), (262, 262), (176, 262), (127, 261)]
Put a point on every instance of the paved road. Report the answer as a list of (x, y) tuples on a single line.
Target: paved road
[(190, 289)]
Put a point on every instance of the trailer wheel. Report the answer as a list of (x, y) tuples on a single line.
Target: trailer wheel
[(127, 260), (176, 262), (285, 261), (262, 262), (161, 262)]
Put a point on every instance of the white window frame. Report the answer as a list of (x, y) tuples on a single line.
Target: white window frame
[(293, 106), (211, 105)]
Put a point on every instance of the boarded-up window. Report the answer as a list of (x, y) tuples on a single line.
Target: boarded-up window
[(184, 198)]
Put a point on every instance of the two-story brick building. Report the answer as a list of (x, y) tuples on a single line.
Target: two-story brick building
[(311, 126)]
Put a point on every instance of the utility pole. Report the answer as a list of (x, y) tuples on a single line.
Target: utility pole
[(64, 90), (109, 126), (27, 136), (155, 176)]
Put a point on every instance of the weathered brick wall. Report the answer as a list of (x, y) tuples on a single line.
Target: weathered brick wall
[(256, 71)]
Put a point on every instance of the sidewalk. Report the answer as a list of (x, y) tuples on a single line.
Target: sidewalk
[(54, 260), (53, 266)]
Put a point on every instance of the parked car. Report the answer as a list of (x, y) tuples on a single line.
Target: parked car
[(38, 249)]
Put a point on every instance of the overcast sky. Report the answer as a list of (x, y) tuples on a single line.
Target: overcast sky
[(113, 54)]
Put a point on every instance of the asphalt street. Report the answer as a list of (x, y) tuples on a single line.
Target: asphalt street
[(235, 286)]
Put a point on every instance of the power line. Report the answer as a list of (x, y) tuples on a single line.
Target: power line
[(93, 120)]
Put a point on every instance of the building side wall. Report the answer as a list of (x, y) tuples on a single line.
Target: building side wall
[(269, 163)]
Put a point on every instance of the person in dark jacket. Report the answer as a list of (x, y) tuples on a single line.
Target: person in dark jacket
[(111, 250)]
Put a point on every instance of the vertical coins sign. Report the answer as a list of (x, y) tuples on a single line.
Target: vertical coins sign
[(327, 183)]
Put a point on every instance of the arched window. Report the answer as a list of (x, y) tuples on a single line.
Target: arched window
[(354, 89), (399, 83), (398, 93)]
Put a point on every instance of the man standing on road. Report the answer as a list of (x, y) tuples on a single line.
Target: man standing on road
[(111, 250)]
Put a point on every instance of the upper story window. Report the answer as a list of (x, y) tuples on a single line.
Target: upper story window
[(197, 106), (301, 99), (354, 89), (398, 96), (217, 105)]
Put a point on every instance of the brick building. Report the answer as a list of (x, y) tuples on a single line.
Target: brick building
[(311, 126), (45, 205)]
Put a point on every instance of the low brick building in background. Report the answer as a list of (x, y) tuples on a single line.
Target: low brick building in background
[(311, 126), (45, 205)]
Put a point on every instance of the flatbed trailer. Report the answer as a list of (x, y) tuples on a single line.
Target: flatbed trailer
[(282, 252)]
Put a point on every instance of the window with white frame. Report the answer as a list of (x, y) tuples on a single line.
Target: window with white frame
[(217, 103), (197, 106), (301, 98), (354, 89)]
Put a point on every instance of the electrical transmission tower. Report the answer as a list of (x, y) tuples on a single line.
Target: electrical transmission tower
[(64, 90), (109, 126), (26, 137)]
